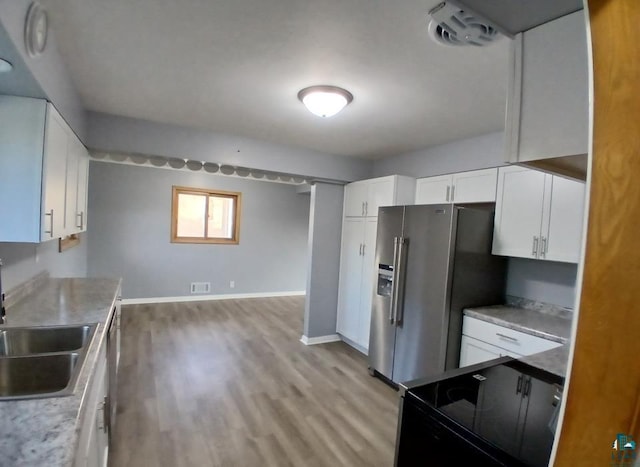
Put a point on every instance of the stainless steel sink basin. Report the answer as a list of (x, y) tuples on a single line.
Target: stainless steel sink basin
[(42, 361), (38, 376), (48, 339)]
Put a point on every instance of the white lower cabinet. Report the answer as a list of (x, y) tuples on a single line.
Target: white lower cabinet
[(93, 445), (474, 351), (483, 341), (356, 279)]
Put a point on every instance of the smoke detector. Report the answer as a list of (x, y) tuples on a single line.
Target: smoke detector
[(450, 25)]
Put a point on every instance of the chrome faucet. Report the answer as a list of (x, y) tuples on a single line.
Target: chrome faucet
[(2, 310)]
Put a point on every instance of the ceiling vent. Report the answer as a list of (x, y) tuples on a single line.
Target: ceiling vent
[(450, 25)]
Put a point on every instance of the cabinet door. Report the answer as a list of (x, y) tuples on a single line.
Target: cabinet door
[(368, 279), (548, 101), (563, 236), (478, 186), (83, 189), (22, 130), (473, 351), (350, 278), (71, 198), (54, 176), (381, 193), (434, 190), (355, 197), (519, 205), (540, 422)]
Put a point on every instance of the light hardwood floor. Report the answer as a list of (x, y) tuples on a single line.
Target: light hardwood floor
[(225, 383)]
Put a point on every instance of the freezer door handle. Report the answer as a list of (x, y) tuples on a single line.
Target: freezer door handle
[(394, 282), (398, 279)]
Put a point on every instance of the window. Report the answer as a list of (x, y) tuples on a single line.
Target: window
[(200, 215)]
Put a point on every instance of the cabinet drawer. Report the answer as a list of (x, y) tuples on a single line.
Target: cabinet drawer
[(508, 339)]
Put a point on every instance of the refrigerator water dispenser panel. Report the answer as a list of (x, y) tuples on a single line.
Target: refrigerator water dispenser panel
[(385, 280)]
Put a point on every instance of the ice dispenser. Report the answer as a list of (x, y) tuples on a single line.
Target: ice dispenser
[(385, 280)]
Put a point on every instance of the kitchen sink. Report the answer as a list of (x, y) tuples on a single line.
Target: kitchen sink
[(38, 340), (38, 376), (40, 362)]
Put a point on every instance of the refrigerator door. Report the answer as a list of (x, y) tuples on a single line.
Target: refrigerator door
[(422, 323), (383, 330)]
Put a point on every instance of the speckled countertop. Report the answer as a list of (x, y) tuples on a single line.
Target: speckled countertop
[(554, 325), (42, 432)]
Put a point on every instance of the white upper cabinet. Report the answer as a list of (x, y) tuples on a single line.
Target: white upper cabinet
[(434, 190), (77, 184), (41, 165), (476, 186), (54, 176), (566, 213), (356, 195), (548, 97), (363, 198), (538, 215)]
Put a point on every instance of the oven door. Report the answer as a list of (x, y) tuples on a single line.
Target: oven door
[(427, 437)]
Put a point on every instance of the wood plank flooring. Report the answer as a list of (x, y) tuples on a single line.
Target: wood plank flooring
[(228, 383)]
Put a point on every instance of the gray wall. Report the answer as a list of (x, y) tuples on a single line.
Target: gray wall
[(22, 261), (113, 133), (325, 230), (536, 280), (543, 281), (466, 154), (49, 69), (129, 231)]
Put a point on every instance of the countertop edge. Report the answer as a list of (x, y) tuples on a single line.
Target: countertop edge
[(515, 326)]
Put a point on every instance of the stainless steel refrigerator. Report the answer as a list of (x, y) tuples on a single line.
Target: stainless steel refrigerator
[(433, 261)]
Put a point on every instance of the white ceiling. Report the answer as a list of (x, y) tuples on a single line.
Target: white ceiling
[(236, 66)]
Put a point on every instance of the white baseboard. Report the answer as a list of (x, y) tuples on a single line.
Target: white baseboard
[(358, 347), (201, 298), (320, 339)]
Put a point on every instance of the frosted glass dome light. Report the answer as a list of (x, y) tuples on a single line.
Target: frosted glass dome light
[(325, 101)]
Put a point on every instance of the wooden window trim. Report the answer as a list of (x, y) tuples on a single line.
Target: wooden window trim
[(237, 209)]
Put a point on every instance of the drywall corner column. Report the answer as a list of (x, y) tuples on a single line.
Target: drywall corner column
[(323, 263)]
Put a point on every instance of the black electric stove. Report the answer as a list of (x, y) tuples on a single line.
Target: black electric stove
[(502, 413)]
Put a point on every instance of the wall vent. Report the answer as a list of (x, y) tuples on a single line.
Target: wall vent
[(200, 287), (452, 26)]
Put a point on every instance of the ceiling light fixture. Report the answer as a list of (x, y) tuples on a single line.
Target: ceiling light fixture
[(325, 101), (5, 66)]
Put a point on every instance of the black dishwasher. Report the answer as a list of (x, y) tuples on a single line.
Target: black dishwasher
[(500, 414)]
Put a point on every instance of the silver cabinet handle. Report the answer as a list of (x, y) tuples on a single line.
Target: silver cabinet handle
[(448, 192), (519, 385), (363, 208), (104, 424), (50, 232), (534, 251), (453, 190), (509, 338), (543, 247), (366, 208), (360, 250), (364, 245), (81, 216)]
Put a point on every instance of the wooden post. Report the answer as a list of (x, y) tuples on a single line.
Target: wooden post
[(604, 388)]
